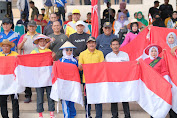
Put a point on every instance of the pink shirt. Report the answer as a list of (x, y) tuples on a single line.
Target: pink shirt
[(129, 37)]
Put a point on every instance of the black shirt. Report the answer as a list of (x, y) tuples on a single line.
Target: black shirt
[(153, 11), (108, 13), (80, 41), (165, 11)]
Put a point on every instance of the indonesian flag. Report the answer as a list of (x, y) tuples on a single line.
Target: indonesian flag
[(34, 70), (150, 19), (119, 82), (95, 25), (8, 84), (66, 83)]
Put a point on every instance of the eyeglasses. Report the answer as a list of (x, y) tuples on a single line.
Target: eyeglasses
[(69, 50)]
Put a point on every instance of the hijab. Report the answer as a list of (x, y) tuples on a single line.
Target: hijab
[(134, 32), (121, 21), (175, 40), (65, 56), (152, 58), (174, 20), (142, 20)]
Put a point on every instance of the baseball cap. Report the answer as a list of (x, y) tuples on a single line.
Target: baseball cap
[(43, 9), (76, 11), (107, 24), (91, 39), (32, 23), (7, 20), (80, 22), (69, 14)]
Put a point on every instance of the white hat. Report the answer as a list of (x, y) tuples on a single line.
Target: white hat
[(80, 22), (67, 44), (69, 14)]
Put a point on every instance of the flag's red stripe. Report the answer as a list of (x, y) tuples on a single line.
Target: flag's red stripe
[(7, 65), (155, 82), (65, 71), (111, 72), (35, 60)]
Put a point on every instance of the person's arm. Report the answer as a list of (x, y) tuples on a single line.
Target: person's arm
[(126, 41), (117, 28), (80, 62), (21, 42), (101, 57)]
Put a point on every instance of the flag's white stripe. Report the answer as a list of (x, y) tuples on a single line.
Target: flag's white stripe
[(110, 92), (151, 103), (174, 96), (8, 85), (34, 76), (67, 90)]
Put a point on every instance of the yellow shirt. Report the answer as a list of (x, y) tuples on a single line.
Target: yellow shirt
[(87, 57), (41, 51), (12, 53)]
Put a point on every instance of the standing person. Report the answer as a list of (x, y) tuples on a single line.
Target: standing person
[(71, 26), (23, 21), (124, 10), (35, 11), (87, 2), (104, 40), (6, 46), (172, 23), (109, 13), (41, 41), (58, 39), (25, 46), (79, 39), (118, 56), (91, 55), (153, 10), (69, 18), (67, 48), (134, 27), (8, 33), (23, 6), (141, 18), (48, 29), (61, 5), (165, 9), (49, 5)]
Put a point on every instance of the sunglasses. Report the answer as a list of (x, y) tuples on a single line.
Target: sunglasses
[(69, 50)]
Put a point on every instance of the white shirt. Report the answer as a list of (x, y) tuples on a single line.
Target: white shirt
[(118, 25), (120, 57)]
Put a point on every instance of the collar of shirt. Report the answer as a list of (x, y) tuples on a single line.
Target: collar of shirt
[(74, 21), (91, 52), (6, 53), (31, 35), (9, 32)]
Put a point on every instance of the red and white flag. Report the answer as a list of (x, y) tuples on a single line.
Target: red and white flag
[(34, 70), (119, 82), (150, 19), (8, 84), (66, 83)]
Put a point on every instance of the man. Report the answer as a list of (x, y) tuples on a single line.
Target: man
[(40, 21), (23, 6), (79, 39), (49, 5), (8, 33), (109, 13), (104, 40), (25, 46), (69, 18), (6, 46), (23, 21), (117, 56), (71, 26), (91, 55), (45, 16), (154, 10), (35, 11), (166, 9), (61, 5), (89, 21), (58, 39), (48, 29)]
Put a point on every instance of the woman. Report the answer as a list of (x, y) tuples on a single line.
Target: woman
[(136, 15), (134, 27), (141, 18), (68, 107), (172, 43), (172, 23), (41, 42), (124, 10), (120, 23)]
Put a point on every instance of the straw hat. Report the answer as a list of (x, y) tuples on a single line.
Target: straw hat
[(7, 42), (41, 36), (135, 21), (148, 47), (67, 44)]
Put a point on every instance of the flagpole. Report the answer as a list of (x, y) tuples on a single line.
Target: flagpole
[(99, 9)]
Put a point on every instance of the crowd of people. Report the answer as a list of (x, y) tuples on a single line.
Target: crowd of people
[(70, 42)]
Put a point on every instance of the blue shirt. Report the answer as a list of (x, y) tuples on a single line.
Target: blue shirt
[(48, 3), (11, 36), (69, 61), (104, 42), (60, 3)]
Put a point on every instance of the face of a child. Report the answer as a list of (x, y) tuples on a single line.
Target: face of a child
[(42, 42)]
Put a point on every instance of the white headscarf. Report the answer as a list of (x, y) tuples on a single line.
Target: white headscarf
[(152, 58), (175, 40), (65, 56)]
